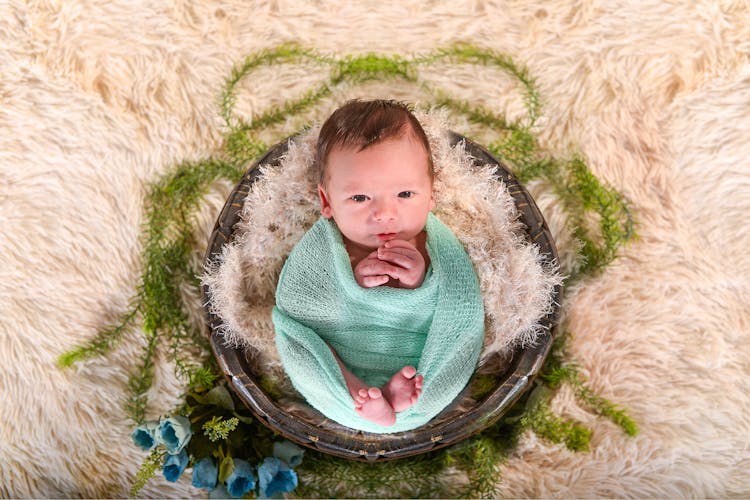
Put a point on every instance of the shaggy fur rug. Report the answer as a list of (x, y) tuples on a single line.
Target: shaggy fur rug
[(101, 98)]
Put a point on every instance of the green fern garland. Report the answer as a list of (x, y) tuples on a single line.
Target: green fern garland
[(147, 470), (159, 304)]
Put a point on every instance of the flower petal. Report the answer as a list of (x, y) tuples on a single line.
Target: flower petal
[(219, 492), (144, 436), (174, 465), (174, 432), (288, 452), (274, 477), (241, 480), (205, 473)]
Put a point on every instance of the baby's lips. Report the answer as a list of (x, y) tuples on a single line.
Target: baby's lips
[(386, 236)]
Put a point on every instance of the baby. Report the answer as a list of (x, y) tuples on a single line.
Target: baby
[(375, 176), (375, 181)]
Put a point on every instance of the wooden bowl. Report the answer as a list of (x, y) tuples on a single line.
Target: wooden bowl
[(463, 418)]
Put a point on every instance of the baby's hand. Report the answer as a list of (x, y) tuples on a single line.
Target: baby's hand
[(405, 262), (396, 259), (371, 271)]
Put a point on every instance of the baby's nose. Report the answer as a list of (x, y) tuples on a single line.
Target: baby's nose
[(384, 210)]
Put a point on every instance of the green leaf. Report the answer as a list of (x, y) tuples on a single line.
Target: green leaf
[(217, 428), (220, 397), (147, 470), (226, 467), (539, 395), (244, 419)]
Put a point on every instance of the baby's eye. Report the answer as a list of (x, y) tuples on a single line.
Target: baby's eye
[(359, 198), (405, 194)]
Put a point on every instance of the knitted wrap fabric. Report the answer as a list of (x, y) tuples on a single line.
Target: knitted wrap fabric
[(437, 327)]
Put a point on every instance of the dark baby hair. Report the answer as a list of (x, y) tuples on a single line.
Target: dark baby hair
[(361, 124)]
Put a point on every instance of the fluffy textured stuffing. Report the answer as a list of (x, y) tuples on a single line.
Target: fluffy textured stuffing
[(100, 98), (516, 287)]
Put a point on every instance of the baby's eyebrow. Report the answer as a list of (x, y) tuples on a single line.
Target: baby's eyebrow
[(352, 186)]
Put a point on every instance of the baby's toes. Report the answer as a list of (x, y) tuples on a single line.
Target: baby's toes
[(361, 398), (374, 393), (408, 372)]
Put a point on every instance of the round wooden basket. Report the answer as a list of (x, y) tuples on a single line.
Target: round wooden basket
[(463, 418)]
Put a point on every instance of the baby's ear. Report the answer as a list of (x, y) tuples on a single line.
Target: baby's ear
[(325, 205)]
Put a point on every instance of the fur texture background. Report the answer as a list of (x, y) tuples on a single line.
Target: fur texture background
[(101, 98)]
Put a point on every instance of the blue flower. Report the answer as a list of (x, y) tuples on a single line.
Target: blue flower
[(175, 433), (144, 436), (220, 492), (288, 452), (275, 476), (174, 466), (205, 473), (241, 480)]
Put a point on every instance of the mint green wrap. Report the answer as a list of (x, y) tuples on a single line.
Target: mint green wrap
[(438, 328)]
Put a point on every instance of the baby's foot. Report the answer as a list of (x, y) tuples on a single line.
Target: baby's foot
[(403, 389), (371, 405)]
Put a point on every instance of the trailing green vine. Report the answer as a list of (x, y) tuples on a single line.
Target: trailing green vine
[(147, 470), (159, 307), (558, 369)]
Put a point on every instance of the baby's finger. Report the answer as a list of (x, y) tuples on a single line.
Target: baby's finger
[(394, 272), (398, 244), (373, 281), (403, 250), (373, 267), (404, 260)]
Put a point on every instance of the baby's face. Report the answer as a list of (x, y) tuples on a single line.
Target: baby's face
[(381, 193)]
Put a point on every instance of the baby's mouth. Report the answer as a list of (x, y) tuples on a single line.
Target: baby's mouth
[(386, 236)]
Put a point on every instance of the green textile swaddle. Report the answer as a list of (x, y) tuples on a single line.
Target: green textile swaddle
[(438, 327)]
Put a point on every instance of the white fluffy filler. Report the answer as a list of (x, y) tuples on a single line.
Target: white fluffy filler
[(516, 285)]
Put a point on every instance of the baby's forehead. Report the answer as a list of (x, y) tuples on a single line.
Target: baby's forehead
[(341, 179), (346, 159), (354, 149)]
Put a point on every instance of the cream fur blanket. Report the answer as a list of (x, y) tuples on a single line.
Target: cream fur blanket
[(100, 98)]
